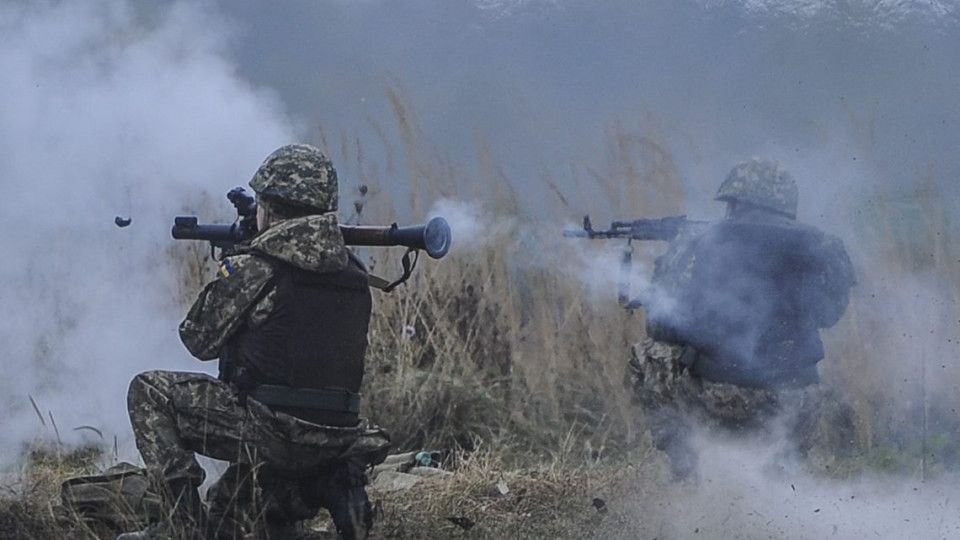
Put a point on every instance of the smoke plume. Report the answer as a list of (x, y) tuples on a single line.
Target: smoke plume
[(106, 113)]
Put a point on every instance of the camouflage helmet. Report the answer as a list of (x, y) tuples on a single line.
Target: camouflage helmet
[(763, 183), (298, 175)]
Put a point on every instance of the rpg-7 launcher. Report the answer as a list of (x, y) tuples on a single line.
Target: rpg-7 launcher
[(434, 237), (665, 228)]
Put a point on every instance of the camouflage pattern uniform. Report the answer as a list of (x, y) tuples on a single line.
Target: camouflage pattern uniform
[(688, 370), (177, 415), (674, 400)]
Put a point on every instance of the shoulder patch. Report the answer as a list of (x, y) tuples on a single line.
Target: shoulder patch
[(227, 268)]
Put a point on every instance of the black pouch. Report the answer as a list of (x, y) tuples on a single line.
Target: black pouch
[(120, 498)]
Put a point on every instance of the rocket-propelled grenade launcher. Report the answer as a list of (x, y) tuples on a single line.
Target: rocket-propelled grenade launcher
[(434, 237)]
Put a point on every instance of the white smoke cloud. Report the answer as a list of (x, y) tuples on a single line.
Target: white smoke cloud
[(596, 266), (744, 492), (108, 113), (471, 226), (474, 225), (600, 268)]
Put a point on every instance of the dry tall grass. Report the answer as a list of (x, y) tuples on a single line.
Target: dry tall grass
[(29, 501), (476, 350), (895, 351), (503, 343)]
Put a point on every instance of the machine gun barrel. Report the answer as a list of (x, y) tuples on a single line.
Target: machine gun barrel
[(665, 228)]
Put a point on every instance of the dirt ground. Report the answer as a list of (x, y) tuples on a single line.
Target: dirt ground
[(740, 493)]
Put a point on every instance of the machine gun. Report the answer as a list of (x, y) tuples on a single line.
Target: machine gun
[(434, 237), (665, 228)]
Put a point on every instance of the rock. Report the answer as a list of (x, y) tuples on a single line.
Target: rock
[(394, 481)]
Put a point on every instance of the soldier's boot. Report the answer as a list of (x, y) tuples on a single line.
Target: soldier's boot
[(225, 527), (348, 503), (293, 531), (352, 514), (232, 503), (341, 490), (187, 519)]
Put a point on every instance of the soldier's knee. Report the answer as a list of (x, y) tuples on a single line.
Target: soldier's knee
[(147, 387), (138, 386), (146, 378)]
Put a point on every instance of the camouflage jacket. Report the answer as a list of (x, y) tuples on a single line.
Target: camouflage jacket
[(753, 290), (241, 293)]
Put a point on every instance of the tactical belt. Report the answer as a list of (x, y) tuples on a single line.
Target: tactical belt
[(336, 401)]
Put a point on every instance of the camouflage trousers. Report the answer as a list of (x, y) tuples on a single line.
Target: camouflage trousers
[(178, 415), (674, 401)]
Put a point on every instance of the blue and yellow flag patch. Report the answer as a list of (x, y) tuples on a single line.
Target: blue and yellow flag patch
[(226, 269)]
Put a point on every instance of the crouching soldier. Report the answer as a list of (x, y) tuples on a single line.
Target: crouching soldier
[(733, 321), (287, 318)]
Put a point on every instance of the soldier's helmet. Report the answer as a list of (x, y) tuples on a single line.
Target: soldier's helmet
[(298, 175), (763, 183)]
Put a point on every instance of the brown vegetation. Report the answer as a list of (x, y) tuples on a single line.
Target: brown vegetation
[(499, 355)]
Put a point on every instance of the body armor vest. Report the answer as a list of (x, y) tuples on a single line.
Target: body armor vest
[(316, 335)]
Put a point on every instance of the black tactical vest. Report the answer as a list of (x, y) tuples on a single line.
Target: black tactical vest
[(316, 335)]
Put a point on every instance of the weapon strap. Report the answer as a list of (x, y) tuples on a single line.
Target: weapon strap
[(378, 282), (409, 262)]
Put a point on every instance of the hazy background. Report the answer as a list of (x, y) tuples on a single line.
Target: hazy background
[(852, 93), (104, 114), (148, 109)]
